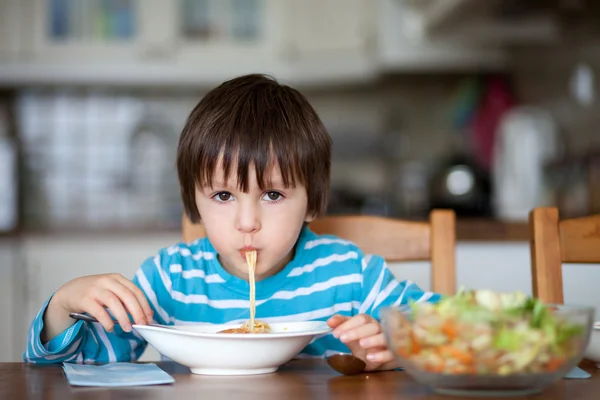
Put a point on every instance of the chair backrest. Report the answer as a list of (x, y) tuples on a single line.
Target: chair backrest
[(392, 239), (553, 242)]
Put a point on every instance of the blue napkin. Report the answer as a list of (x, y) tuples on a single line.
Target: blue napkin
[(577, 373), (116, 374)]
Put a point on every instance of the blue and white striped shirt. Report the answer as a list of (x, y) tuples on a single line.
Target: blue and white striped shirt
[(186, 284)]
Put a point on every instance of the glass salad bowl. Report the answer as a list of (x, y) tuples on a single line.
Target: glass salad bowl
[(481, 343)]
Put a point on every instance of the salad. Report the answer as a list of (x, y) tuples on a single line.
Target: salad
[(483, 332)]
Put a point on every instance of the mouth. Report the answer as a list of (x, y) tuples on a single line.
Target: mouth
[(246, 250)]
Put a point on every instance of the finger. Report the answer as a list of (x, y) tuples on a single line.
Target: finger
[(373, 341), (381, 356), (351, 323), (140, 296), (110, 300), (129, 300), (99, 312), (363, 331), (336, 320)]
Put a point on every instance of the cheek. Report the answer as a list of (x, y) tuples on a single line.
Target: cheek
[(212, 212), (285, 228), (218, 237), (213, 218)]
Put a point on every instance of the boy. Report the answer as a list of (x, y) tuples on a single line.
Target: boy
[(254, 164)]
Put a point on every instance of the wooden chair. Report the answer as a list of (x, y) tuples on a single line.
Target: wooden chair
[(554, 242), (392, 239)]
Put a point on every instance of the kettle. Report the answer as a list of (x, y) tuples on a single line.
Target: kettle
[(462, 185), (526, 140)]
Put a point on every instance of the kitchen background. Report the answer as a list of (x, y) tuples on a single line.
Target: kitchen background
[(488, 108)]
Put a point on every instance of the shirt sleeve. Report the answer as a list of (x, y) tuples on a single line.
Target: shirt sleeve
[(380, 289), (88, 341)]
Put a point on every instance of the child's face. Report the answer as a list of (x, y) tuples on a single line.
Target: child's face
[(268, 221)]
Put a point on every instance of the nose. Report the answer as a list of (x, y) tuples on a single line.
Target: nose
[(248, 217)]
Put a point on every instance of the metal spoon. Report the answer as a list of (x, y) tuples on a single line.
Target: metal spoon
[(346, 364), (89, 318)]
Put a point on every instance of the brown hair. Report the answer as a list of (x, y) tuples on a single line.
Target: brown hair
[(254, 120)]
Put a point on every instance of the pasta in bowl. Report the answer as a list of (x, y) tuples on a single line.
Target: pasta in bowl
[(248, 327)]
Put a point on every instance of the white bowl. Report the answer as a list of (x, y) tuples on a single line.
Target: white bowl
[(592, 352), (207, 352)]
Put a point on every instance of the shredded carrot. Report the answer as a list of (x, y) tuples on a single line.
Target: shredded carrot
[(403, 352), (555, 364), (461, 369), (415, 346), (435, 368), (450, 351), (449, 330)]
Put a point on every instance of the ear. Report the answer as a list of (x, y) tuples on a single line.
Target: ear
[(309, 217)]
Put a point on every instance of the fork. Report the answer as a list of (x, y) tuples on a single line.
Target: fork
[(89, 318)]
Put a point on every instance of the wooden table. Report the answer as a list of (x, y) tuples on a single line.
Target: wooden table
[(301, 379)]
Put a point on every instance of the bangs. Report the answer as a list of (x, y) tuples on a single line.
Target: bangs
[(237, 159)]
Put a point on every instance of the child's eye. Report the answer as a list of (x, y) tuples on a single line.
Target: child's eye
[(223, 197), (272, 196)]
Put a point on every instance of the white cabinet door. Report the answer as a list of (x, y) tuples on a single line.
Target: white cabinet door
[(224, 31), (88, 33), (13, 328), (148, 41), (330, 28), (52, 262), (11, 13), (329, 41)]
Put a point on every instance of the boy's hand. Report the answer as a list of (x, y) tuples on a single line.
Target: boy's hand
[(92, 294), (364, 337)]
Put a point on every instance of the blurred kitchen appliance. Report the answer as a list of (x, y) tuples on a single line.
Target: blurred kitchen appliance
[(8, 174), (462, 185), (526, 140), (575, 181)]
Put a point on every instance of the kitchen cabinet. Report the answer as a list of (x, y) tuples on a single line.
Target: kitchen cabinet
[(331, 41), (203, 42), (11, 12), (221, 33), (145, 41), (13, 299), (482, 22), (53, 261), (329, 29), (151, 32), (198, 42), (91, 33), (399, 51), (457, 34)]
